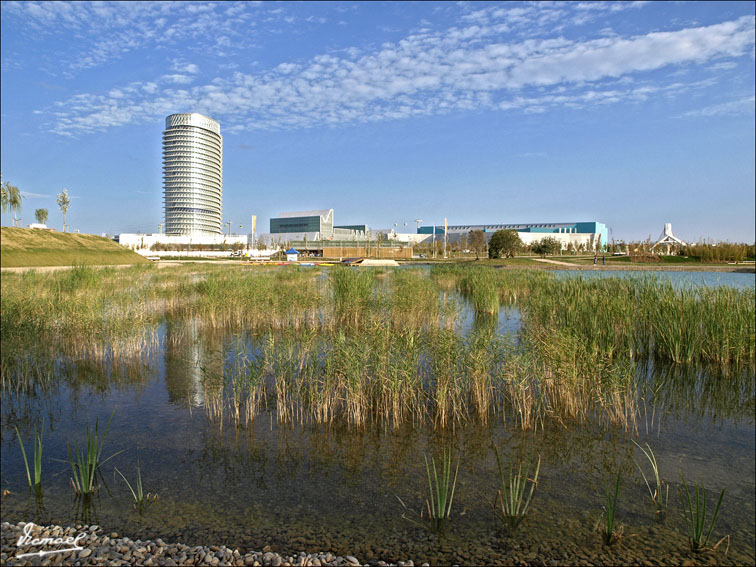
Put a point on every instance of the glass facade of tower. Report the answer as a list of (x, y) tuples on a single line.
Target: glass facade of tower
[(192, 174)]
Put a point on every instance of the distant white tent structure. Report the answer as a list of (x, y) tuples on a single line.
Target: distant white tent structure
[(668, 238)]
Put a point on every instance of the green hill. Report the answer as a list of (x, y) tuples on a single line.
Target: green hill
[(21, 247)]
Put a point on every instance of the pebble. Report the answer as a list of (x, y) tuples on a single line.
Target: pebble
[(114, 549)]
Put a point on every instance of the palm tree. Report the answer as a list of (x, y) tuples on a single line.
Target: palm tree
[(63, 202), (12, 198), (4, 195), (41, 215)]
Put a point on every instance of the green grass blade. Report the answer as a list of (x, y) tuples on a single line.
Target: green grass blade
[(23, 453), (714, 517)]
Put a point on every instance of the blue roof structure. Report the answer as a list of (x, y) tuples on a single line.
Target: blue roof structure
[(292, 251)]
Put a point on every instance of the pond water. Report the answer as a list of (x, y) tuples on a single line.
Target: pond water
[(679, 279), (360, 491)]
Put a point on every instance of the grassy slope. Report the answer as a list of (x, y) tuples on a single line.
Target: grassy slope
[(29, 247)]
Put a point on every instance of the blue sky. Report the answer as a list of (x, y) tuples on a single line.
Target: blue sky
[(630, 113)]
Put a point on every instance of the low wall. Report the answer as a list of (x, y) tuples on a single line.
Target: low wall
[(362, 252), (254, 254)]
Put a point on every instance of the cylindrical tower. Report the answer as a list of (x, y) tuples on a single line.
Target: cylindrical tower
[(192, 174)]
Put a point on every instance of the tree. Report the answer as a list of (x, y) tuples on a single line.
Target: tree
[(41, 215), (4, 195), (64, 202), (11, 197), (504, 243), (546, 246), (477, 240), (462, 243)]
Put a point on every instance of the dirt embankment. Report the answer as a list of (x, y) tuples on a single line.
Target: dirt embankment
[(25, 247)]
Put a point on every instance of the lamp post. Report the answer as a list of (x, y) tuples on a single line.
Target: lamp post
[(433, 241)]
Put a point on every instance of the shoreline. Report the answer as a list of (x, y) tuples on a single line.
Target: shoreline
[(94, 546), (98, 548), (543, 264)]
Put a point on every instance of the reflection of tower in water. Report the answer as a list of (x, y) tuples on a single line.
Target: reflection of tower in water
[(185, 359)]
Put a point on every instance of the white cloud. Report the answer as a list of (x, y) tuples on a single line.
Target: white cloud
[(177, 78), (741, 106), (427, 72), (96, 33), (27, 195)]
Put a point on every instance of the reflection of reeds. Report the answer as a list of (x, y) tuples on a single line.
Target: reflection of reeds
[(359, 348), (84, 314)]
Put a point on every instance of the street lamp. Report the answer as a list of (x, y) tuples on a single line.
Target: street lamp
[(417, 222)]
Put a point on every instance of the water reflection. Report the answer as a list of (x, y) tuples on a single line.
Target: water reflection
[(184, 360), (335, 487), (689, 392), (679, 279)]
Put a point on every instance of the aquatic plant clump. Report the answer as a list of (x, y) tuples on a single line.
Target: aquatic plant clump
[(37, 463), (85, 463), (638, 317), (364, 347), (609, 532), (512, 502), (696, 516)]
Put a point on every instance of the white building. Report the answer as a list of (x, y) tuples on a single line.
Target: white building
[(204, 245), (192, 175), (589, 235)]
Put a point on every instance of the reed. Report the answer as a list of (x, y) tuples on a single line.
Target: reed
[(414, 300), (635, 317), (512, 501), (609, 532), (140, 498), (86, 463), (37, 456), (352, 293), (258, 299), (482, 355), (446, 379), (659, 496), (448, 276), (440, 489), (90, 314), (695, 517), (481, 288), (360, 347)]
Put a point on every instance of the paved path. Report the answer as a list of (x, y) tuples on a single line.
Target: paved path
[(555, 262), (56, 268), (160, 264)]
